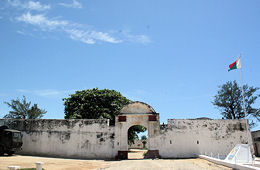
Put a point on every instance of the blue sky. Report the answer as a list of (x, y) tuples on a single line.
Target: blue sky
[(171, 54)]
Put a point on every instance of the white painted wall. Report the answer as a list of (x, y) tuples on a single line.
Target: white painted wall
[(90, 139), (189, 138), (95, 139)]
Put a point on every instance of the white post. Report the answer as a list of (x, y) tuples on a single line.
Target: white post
[(211, 154), (13, 167), (218, 155), (38, 165)]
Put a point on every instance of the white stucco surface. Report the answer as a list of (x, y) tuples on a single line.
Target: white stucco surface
[(190, 138), (90, 139), (95, 139)]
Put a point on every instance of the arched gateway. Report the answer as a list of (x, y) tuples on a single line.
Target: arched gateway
[(137, 113)]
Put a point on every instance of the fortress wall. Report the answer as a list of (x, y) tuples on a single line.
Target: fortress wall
[(95, 139), (74, 138), (183, 138)]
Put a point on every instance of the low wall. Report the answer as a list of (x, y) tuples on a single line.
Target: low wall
[(229, 164), (190, 138), (76, 138)]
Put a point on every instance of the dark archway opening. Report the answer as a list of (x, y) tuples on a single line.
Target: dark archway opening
[(137, 142)]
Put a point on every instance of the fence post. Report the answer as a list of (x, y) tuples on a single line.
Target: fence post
[(13, 167), (38, 165)]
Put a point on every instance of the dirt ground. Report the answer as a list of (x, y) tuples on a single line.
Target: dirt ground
[(135, 162), (136, 153)]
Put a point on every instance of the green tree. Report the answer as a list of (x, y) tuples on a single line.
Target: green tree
[(143, 137), (133, 131), (96, 104), (21, 109), (229, 101)]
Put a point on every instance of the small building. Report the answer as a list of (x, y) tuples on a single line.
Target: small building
[(256, 141)]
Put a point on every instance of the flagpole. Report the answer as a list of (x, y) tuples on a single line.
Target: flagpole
[(241, 81), (244, 105)]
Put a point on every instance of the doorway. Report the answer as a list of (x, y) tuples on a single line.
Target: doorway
[(137, 142)]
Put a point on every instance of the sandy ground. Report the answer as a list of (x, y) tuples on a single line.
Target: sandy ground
[(170, 164), (136, 154), (51, 163), (135, 162)]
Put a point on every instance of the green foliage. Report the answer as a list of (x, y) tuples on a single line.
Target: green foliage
[(30, 169), (229, 101), (145, 154), (143, 137), (94, 104), (21, 109), (97, 104), (133, 131)]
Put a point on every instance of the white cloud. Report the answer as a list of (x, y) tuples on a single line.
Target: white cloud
[(31, 5), (47, 92), (127, 36), (44, 92), (37, 6), (90, 37), (74, 4), (21, 32), (144, 39), (75, 33), (41, 21), (80, 36)]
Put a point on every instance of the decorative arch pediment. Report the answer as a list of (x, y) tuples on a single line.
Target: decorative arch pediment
[(137, 108)]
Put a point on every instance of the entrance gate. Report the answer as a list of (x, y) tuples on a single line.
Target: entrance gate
[(137, 113)]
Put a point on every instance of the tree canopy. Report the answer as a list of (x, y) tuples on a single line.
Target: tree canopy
[(97, 104), (133, 131), (21, 109), (143, 137), (229, 101), (94, 104)]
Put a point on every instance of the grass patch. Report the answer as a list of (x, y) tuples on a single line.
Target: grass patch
[(29, 169)]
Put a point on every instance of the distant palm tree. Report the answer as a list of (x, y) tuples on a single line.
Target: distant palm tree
[(23, 110)]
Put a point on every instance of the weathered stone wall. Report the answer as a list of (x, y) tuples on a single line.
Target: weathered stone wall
[(66, 138), (95, 139), (189, 138)]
